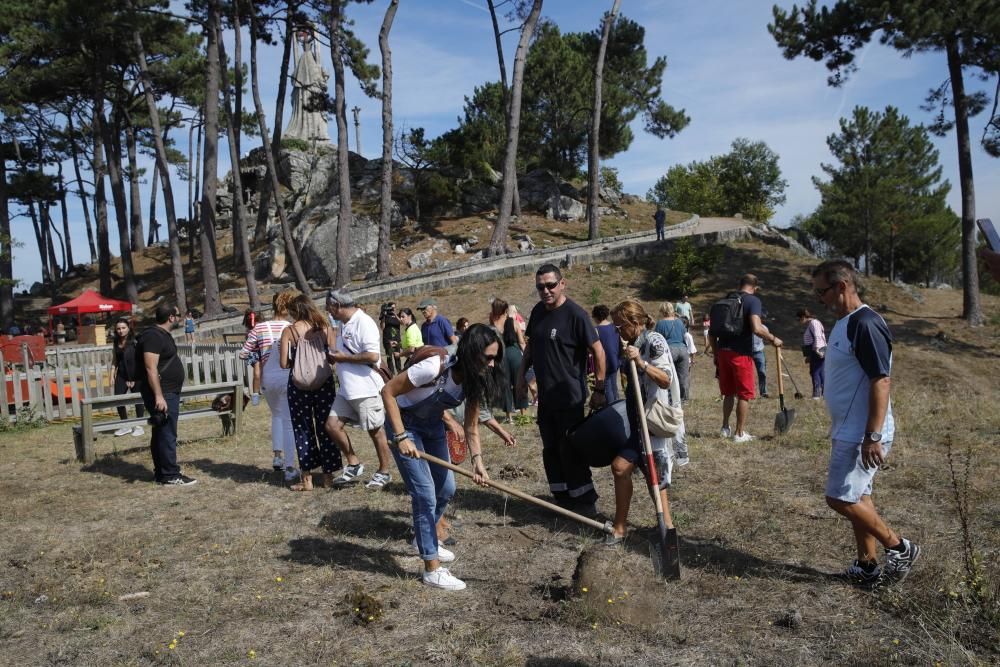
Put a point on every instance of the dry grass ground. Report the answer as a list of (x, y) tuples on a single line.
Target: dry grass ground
[(239, 570)]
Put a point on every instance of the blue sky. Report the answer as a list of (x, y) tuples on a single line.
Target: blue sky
[(723, 68)]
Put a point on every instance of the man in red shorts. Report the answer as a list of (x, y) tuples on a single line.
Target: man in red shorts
[(734, 359)]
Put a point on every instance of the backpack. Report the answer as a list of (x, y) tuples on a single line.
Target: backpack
[(726, 316), (310, 369), (426, 352)]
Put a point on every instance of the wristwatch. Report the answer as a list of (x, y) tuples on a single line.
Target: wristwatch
[(874, 436)]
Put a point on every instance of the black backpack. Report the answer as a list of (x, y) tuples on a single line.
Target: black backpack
[(726, 316)]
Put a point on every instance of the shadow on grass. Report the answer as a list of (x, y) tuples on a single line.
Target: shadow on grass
[(534, 661), (114, 466), (238, 472), (369, 523), (342, 553), (711, 555)]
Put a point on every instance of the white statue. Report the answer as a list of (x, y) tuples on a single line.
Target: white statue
[(308, 79)]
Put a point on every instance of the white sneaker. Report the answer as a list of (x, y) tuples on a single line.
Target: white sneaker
[(742, 437), (444, 555), (138, 431), (125, 430), (725, 432), (443, 579)]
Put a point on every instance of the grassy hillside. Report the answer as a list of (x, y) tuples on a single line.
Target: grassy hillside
[(240, 570)]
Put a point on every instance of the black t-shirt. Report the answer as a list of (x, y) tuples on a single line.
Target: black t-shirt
[(171, 368), (125, 361), (390, 327), (743, 344), (559, 341)]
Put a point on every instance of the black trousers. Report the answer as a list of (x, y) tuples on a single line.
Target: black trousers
[(568, 473), (120, 388), (163, 441)]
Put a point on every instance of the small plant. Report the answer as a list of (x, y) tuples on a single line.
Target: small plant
[(685, 265), (594, 297), (26, 419), (363, 608)]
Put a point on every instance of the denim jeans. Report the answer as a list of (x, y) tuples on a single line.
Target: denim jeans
[(431, 487), (761, 363), (612, 387), (163, 441)]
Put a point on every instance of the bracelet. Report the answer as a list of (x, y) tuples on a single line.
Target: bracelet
[(405, 435)]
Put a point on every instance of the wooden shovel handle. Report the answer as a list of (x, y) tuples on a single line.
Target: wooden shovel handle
[(781, 380)]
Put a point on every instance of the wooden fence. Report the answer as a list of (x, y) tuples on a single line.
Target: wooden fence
[(54, 389)]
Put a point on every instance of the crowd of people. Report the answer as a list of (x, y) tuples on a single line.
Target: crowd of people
[(411, 385)]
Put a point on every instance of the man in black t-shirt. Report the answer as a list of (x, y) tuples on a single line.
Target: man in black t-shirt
[(560, 335), (390, 336), (734, 360), (160, 376)]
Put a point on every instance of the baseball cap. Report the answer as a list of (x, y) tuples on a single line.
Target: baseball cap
[(340, 296), (427, 302)]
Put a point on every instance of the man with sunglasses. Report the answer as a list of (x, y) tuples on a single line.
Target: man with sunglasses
[(560, 336), (857, 366)]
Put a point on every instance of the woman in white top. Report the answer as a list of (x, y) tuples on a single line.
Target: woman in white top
[(262, 350), (415, 401), (657, 376)]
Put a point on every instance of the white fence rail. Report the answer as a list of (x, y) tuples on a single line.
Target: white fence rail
[(55, 389)]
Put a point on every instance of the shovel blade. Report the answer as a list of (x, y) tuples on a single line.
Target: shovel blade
[(783, 421), (666, 556)]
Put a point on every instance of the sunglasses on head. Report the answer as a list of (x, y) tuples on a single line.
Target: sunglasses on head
[(541, 287)]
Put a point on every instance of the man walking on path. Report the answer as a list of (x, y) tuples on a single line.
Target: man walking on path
[(559, 337), (734, 359), (359, 400), (436, 329), (660, 218), (683, 310), (160, 377), (858, 365)]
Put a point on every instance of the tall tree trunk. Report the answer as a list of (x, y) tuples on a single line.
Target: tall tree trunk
[(385, 214), (971, 310), (194, 223), (498, 244), (291, 253), (100, 195), (210, 175), (154, 186), (504, 88), (112, 154), (235, 110), (135, 200), (240, 239), (594, 163), (260, 232), (164, 173), (346, 216), (6, 249), (81, 193), (50, 231), (43, 246), (68, 259)]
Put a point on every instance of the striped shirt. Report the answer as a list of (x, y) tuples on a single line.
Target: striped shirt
[(261, 339), (814, 335)]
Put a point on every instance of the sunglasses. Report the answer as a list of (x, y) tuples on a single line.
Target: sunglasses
[(491, 357), (541, 287), (821, 292)]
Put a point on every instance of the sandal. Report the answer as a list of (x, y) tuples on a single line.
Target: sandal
[(305, 485)]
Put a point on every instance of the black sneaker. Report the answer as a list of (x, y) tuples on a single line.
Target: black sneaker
[(179, 481), (858, 574), (898, 564)]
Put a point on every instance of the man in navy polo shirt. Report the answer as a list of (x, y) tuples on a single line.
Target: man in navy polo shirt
[(857, 365), (436, 329)]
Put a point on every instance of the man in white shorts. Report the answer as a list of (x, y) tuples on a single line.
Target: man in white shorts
[(858, 365), (359, 399)]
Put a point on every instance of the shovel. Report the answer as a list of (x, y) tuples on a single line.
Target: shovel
[(783, 420), (666, 554), (604, 527)]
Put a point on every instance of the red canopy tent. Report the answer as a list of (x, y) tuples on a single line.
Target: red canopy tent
[(89, 302)]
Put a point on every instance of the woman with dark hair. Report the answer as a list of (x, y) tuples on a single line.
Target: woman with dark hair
[(814, 349), (415, 401), (310, 408), (513, 351), (657, 378), (412, 339), (123, 369)]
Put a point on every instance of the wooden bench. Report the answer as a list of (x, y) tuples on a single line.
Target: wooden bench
[(86, 433)]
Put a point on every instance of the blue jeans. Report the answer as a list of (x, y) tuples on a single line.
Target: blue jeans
[(431, 487), (163, 440), (612, 388), (761, 363)]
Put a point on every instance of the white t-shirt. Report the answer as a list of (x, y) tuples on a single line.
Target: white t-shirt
[(423, 373), (359, 334), (689, 340)]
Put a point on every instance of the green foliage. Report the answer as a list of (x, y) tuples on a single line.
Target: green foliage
[(26, 419), (294, 144), (609, 179), (557, 101), (745, 180), (683, 267), (885, 200)]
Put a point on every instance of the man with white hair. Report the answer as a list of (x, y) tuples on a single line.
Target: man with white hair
[(359, 400)]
